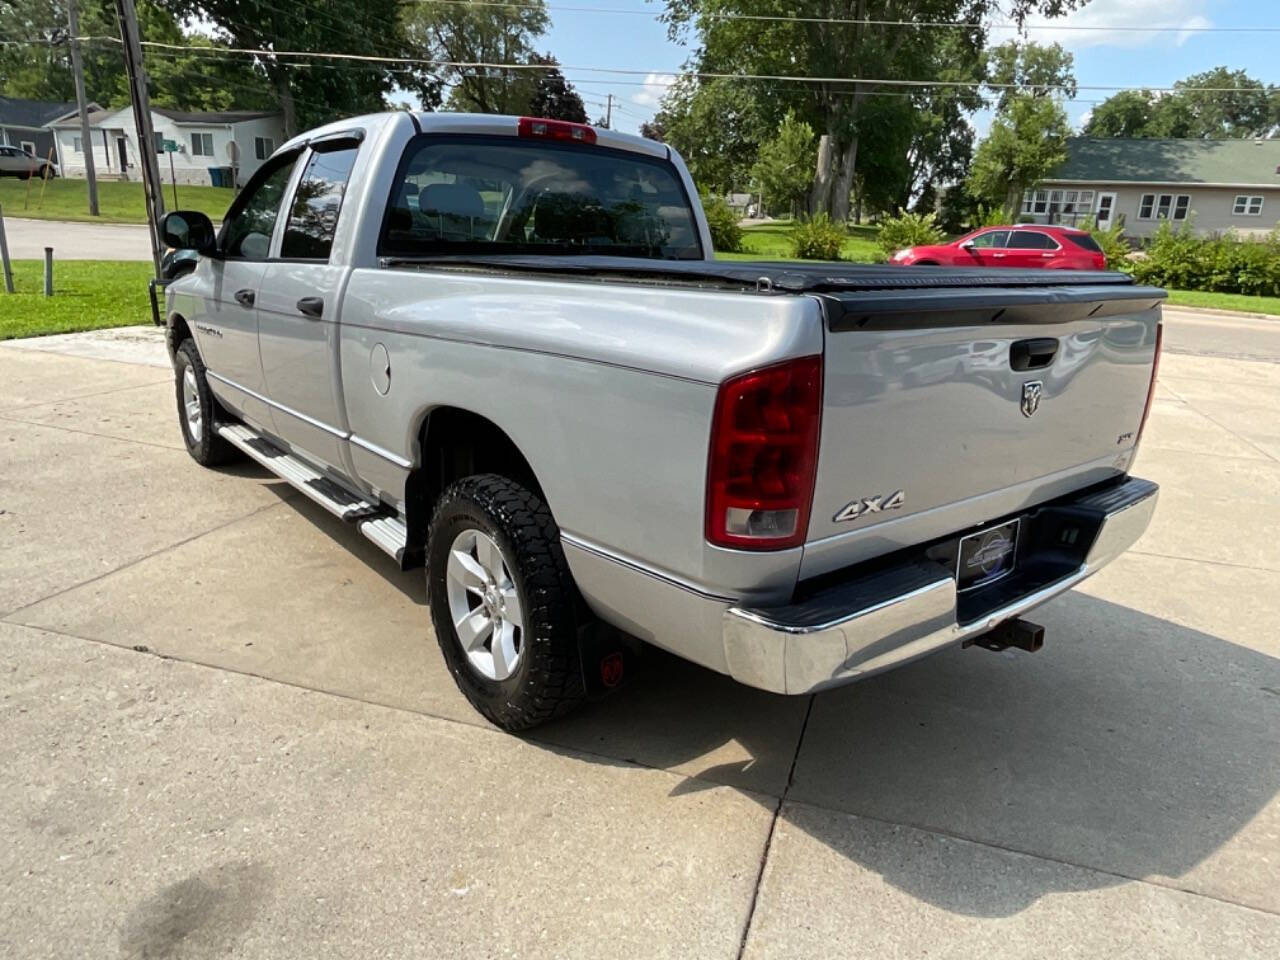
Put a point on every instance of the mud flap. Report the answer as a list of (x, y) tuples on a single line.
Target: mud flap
[(609, 659)]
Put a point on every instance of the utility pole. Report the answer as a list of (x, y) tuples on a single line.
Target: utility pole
[(77, 67), (152, 187), (608, 113)]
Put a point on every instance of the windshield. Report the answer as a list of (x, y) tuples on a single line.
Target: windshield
[(489, 195)]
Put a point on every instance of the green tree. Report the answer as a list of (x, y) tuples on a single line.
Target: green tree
[(1038, 69), (310, 92), (179, 79), (784, 168), (1129, 113), (1027, 142), (853, 55), (1217, 104), (717, 127), (463, 33), (1245, 111), (553, 96)]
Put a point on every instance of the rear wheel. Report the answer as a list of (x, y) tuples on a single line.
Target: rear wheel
[(503, 602), (197, 408)]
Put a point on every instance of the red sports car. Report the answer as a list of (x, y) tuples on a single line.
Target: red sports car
[(1024, 245)]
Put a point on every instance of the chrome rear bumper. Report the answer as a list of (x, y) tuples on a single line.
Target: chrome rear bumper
[(882, 620)]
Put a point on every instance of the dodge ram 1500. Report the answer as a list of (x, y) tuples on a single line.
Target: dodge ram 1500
[(503, 349)]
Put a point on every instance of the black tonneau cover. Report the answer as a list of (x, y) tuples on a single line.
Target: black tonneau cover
[(782, 276)]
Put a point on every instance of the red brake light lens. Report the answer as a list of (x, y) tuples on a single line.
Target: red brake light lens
[(764, 456), (1151, 390), (539, 129)]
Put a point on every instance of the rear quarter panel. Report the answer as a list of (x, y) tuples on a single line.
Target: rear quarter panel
[(606, 388)]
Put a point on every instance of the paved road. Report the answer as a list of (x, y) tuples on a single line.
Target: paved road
[(76, 241), (227, 732), (1211, 335)]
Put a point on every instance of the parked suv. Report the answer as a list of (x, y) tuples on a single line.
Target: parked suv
[(1024, 245)]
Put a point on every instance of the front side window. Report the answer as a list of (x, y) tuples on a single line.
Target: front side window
[(495, 195), (202, 144), (246, 233), (313, 220), (991, 240)]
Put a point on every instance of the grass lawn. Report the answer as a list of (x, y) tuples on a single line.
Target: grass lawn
[(87, 295), (119, 201), (771, 242), (1225, 301)]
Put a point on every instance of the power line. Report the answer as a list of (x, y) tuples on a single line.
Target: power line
[(658, 77), (925, 24)]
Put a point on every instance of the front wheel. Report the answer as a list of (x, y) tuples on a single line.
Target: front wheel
[(196, 409), (503, 602)]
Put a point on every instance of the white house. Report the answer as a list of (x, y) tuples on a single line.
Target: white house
[(227, 146)]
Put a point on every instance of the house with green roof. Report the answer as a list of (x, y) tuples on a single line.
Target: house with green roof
[(1218, 185)]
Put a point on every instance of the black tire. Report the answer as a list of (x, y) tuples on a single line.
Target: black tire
[(210, 450), (547, 680)]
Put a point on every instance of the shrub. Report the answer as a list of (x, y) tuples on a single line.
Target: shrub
[(1114, 246), (726, 235), (993, 216), (817, 238), (1224, 263), (908, 230)]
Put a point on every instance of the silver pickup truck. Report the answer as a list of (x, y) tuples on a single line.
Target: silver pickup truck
[(502, 348)]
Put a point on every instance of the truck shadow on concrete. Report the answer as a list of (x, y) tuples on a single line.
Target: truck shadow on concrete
[(1130, 746)]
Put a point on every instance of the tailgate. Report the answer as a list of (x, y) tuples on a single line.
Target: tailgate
[(945, 409)]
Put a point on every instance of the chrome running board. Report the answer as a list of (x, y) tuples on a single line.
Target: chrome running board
[(373, 519)]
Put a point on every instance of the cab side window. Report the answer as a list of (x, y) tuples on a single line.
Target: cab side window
[(1031, 240), (316, 205), (247, 232), (991, 240)]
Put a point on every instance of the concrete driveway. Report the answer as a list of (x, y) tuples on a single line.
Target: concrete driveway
[(228, 732)]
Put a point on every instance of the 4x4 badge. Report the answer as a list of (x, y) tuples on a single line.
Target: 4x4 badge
[(860, 508)]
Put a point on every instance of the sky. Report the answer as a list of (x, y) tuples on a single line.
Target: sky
[(637, 41)]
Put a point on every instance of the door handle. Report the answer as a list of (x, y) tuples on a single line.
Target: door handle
[(1033, 354), (311, 307), (997, 256), (244, 298)]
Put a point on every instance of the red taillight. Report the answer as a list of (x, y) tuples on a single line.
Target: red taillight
[(764, 456), (541, 129), (1151, 390)]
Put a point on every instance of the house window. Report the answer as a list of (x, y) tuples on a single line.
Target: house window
[(1164, 206), (29, 148), (1086, 201), (1247, 206), (1027, 198), (77, 145), (263, 147), (1041, 204), (202, 144)]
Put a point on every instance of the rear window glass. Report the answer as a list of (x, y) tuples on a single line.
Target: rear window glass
[(1084, 242), (481, 195)]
